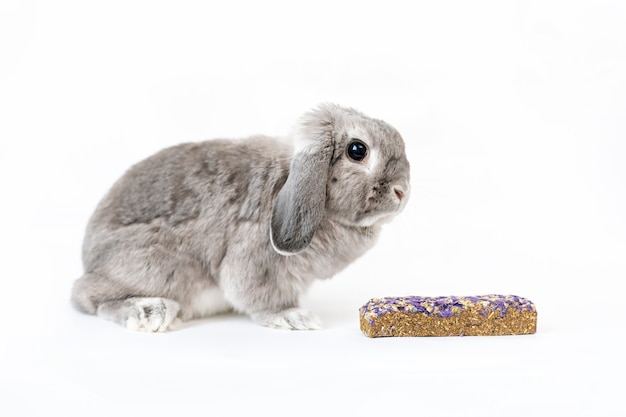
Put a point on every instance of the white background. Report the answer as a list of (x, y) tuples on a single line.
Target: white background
[(513, 115)]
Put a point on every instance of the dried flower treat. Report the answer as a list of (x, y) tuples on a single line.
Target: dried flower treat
[(484, 315)]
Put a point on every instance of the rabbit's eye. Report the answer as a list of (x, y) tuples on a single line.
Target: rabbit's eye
[(357, 150)]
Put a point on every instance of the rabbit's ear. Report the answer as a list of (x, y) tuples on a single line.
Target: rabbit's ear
[(300, 204)]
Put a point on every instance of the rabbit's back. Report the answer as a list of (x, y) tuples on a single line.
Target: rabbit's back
[(187, 195)]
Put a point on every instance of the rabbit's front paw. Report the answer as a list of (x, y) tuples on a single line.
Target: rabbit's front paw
[(152, 314), (290, 319)]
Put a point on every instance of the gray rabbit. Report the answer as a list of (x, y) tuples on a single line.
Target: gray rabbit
[(244, 225)]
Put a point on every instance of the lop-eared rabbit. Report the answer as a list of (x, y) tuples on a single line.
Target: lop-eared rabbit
[(242, 225)]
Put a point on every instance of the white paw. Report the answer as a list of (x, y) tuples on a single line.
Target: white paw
[(291, 319), (152, 315)]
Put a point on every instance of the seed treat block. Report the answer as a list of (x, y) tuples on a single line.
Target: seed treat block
[(484, 315)]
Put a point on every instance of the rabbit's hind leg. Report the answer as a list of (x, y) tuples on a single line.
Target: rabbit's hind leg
[(95, 293), (144, 314)]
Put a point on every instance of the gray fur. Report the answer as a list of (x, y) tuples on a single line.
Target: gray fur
[(221, 217)]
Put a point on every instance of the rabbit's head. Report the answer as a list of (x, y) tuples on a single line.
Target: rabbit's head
[(346, 166)]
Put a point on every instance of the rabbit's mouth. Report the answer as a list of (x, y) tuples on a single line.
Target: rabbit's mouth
[(382, 215)]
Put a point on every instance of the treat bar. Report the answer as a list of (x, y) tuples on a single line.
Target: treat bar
[(484, 315)]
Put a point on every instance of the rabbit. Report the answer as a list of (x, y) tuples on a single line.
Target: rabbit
[(242, 225)]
